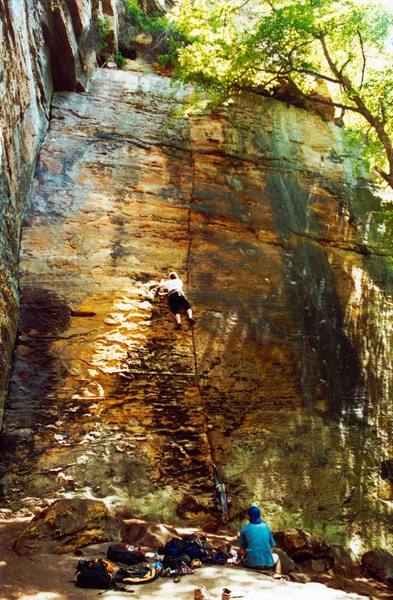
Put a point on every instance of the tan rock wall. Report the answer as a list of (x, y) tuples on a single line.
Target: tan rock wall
[(286, 378), (40, 43)]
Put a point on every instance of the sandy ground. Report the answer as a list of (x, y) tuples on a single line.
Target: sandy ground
[(49, 577)]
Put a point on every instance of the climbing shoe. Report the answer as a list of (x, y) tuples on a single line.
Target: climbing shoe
[(178, 326), (191, 321)]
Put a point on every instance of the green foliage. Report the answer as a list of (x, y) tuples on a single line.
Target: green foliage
[(154, 24), (102, 34), (119, 59), (134, 12), (166, 35), (364, 149), (343, 46), (164, 60)]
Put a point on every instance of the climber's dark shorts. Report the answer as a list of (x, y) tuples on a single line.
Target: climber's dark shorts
[(178, 302)]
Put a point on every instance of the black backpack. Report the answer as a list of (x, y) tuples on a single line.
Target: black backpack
[(125, 554), (176, 562), (196, 547), (217, 558), (95, 574), (174, 547)]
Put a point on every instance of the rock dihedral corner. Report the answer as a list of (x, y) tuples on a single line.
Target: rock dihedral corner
[(43, 46)]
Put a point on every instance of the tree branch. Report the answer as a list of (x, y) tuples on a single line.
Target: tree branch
[(271, 4), (316, 100), (283, 73), (316, 74), (386, 176), (234, 10), (291, 67), (363, 109), (382, 108), (345, 64), (319, 100), (363, 56)]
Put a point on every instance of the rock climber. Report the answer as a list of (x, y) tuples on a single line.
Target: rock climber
[(176, 298), (256, 542)]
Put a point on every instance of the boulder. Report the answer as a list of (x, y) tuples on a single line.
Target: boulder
[(144, 39), (133, 530), (287, 564), (66, 525), (150, 535), (321, 100), (301, 545), (299, 577), (156, 536), (379, 564), (320, 565), (340, 556)]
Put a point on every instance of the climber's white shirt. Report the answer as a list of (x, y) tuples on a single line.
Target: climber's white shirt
[(172, 285)]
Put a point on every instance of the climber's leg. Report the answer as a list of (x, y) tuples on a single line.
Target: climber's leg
[(190, 317), (178, 321), (277, 567)]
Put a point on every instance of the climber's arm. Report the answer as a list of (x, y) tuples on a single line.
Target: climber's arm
[(161, 284), (157, 285)]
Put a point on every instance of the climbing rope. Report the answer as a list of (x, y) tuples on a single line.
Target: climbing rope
[(223, 499)]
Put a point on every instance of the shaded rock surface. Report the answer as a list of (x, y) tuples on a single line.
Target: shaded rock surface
[(43, 45), (286, 378), (341, 557), (287, 564), (301, 545), (67, 525), (379, 563)]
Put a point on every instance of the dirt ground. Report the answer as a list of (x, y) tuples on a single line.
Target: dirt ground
[(49, 577)]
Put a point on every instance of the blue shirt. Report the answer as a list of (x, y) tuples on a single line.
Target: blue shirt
[(257, 540)]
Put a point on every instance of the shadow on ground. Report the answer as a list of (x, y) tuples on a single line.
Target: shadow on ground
[(49, 577)]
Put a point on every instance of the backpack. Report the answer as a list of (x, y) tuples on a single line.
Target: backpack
[(136, 575), (174, 547), (217, 558), (195, 547), (126, 554), (95, 573), (175, 562)]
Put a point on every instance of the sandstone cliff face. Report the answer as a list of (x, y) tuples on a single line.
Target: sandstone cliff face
[(42, 44), (284, 381)]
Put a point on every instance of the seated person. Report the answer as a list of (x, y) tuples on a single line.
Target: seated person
[(256, 542)]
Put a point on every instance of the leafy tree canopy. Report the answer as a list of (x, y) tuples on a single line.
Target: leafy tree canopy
[(347, 45)]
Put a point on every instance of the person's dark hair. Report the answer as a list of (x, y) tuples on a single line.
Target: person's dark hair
[(173, 275)]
